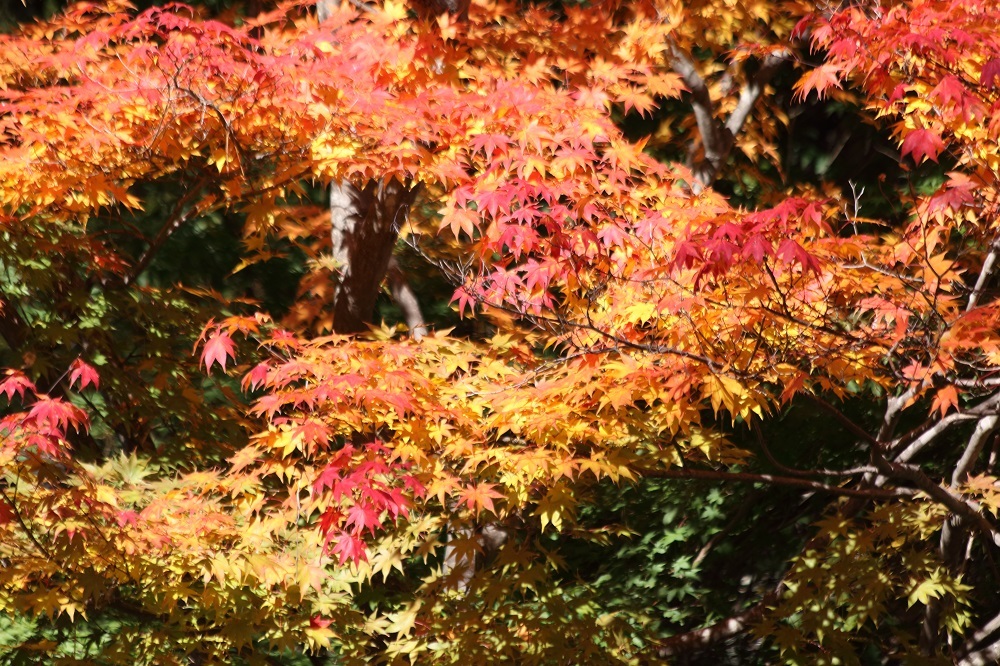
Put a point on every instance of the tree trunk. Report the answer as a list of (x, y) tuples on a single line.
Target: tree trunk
[(365, 225)]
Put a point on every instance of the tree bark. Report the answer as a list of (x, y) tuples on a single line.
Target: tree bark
[(718, 137), (365, 224)]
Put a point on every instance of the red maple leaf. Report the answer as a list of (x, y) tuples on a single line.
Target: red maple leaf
[(84, 373), (361, 517), (217, 350), (16, 382), (57, 413), (921, 144), (127, 517), (990, 74), (316, 622), (350, 547), (256, 377), (948, 91), (757, 247)]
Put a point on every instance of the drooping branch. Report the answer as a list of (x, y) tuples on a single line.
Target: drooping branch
[(853, 427), (175, 220), (964, 509)]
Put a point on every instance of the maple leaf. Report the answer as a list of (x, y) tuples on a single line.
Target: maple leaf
[(16, 382), (317, 622), (790, 251), (331, 518), (362, 517), (944, 400), (84, 373), (349, 548), (634, 98), (127, 518), (218, 349), (990, 74), (479, 497), (921, 145), (949, 91), (757, 247), (6, 513), (256, 377), (57, 413), (821, 79)]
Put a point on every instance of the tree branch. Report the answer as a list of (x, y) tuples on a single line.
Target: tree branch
[(893, 409), (785, 469), (855, 429), (751, 92), (717, 138), (178, 216), (365, 224), (985, 274), (985, 408), (965, 509), (984, 428), (746, 477), (980, 635), (988, 656), (406, 300), (721, 630)]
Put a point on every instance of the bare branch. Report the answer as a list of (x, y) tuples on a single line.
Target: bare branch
[(985, 274), (988, 656), (751, 92), (716, 141), (893, 409), (984, 428), (717, 138), (985, 408), (980, 635), (785, 469), (365, 224)]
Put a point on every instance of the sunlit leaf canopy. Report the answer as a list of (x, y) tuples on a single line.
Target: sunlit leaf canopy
[(275, 490)]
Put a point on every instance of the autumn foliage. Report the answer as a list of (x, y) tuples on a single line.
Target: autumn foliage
[(195, 479)]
